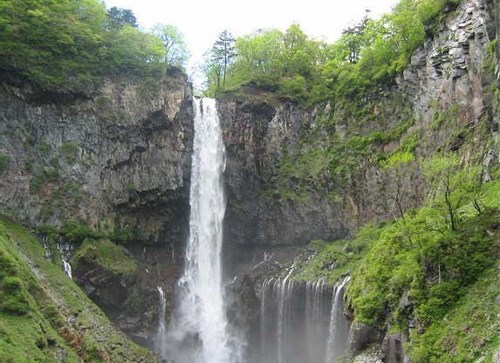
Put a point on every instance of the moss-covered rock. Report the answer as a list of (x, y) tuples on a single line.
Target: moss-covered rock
[(106, 254)]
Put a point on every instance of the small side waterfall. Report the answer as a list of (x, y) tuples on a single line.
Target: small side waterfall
[(65, 252), (296, 321), (339, 327), (198, 331), (67, 268), (161, 334)]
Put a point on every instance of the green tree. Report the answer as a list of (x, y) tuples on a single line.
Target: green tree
[(118, 17), (354, 39), (71, 44), (175, 49), (223, 51)]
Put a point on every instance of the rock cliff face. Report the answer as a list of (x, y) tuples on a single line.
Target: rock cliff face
[(257, 135), (445, 91), (118, 161)]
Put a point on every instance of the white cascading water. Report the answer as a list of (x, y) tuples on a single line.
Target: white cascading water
[(318, 304), (67, 268), (339, 327), (199, 329), (160, 339), (301, 322), (65, 252)]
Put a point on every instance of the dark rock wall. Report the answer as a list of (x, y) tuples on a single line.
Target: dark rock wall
[(118, 160)]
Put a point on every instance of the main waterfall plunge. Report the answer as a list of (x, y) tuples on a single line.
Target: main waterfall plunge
[(198, 331), (299, 322)]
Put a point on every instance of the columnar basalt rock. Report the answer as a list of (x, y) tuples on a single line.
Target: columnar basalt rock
[(117, 160)]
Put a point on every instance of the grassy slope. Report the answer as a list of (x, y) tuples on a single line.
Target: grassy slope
[(48, 318)]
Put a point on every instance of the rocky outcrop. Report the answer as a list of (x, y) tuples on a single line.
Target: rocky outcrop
[(117, 160)]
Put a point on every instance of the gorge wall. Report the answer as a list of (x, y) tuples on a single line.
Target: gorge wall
[(113, 164), (295, 175), (118, 160)]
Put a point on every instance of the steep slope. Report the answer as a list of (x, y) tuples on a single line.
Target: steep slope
[(44, 316)]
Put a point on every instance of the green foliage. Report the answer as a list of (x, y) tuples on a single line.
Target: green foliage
[(13, 296), (118, 17), (321, 164), (48, 174), (219, 58), (437, 263), (131, 186), (74, 44), (175, 49), (365, 59), (396, 159), (272, 60), (4, 162), (76, 232), (107, 254), (421, 252), (334, 259), (468, 332), (44, 316)]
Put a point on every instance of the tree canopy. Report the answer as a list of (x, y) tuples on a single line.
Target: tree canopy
[(367, 56), (75, 43)]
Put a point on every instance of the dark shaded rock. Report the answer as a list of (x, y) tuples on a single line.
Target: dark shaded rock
[(361, 336), (393, 350), (112, 159)]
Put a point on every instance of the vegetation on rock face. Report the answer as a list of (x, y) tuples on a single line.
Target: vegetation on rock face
[(105, 253), (438, 258), (73, 44), (44, 316)]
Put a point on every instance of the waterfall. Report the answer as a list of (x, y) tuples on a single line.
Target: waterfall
[(67, 268), (294, 321), (318, 304), (339, 327), (198, 331), (301, 322), (161, 338), (65, 252)]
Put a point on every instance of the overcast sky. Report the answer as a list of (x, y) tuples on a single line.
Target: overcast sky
[(201, 21)]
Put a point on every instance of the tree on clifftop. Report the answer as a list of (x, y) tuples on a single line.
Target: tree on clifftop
[(118, 17), (223, 51), (176, 52)]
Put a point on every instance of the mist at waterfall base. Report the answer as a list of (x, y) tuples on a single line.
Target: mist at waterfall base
[(299, 322)]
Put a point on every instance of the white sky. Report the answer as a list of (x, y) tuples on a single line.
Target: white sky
[(201, 21)]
